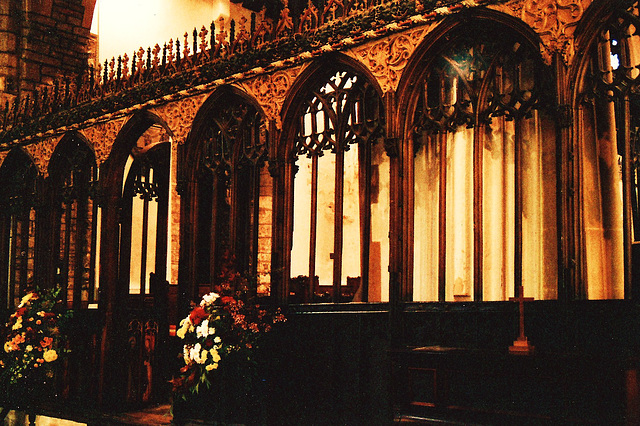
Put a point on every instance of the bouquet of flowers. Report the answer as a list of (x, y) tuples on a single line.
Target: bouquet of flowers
[(220, 330), (33, 340)]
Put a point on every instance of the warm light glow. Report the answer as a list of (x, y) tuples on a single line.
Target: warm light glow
[(124, 26)]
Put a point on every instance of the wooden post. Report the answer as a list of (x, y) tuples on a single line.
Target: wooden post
[(521, 345)]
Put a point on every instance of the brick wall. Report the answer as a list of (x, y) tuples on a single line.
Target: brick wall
[(42, 41)]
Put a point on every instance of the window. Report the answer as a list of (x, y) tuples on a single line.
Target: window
[(145, 212), (484, 165), (74, 174), (340, 247), (18, 177), (235, 196), (609, 114)]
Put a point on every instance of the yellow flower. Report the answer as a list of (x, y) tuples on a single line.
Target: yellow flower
[(215, 355), (50, 355), (210, 367), (8, 347)]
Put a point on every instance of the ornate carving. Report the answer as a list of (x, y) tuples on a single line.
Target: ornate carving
[(386, 59), (41, 153), (270, 91), (553, 20), (101, 137), (179, 115)]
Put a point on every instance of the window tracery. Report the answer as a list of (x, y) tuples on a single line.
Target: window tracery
[(341, 203), (18, 197), (235, 195), (480, 225), (74, 173), (608, 154)]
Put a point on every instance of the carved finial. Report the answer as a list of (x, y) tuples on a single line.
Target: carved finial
[(285, 24), (221, 37), (170, 51), (125, 66), (203, 38), (112, 65), (185, 49), (156, 58), (140, 55)]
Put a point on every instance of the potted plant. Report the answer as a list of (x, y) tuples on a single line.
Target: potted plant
[(34, 343), (219, 376)]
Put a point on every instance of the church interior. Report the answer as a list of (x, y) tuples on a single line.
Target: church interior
[(472, 257)]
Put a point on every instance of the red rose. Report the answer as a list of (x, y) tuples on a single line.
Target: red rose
[(197, 315), (208, 343)]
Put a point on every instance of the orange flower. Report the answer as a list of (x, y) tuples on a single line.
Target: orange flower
[(46, 342)]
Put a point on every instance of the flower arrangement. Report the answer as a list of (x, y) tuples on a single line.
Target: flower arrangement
[(222, 329), (34, 339)]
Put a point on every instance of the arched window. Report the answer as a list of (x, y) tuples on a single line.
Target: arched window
[(235, 196), (609, 129), (144, 217), (484, 214), (340, 245), (18, 177), (74, 174)]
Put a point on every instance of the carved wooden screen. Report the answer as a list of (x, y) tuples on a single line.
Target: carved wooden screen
[(340, 224), (235, 196), (484, 216), (609, 114), (74, 176), (18, 220)]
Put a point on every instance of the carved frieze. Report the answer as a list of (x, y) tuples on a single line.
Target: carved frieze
[(102, 136), (179, 115), (553, 20), (41, 153), (387, 58), (270, 91)]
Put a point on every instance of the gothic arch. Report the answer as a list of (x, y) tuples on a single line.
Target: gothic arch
[(225, 191), (442, 35), (319, 69), (192, 151), (331, 159), (111, 176), (469, 101)]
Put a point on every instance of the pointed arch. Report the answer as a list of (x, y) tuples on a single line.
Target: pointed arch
[(228, 192), (479, 137), (20, 196), (605, 142), (74, 208), (334, 204)]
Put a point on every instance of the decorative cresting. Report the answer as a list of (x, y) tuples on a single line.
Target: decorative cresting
[(41, 153), (270, 90), (179, 115), (387, 58), (554, 21), (101, 137)]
